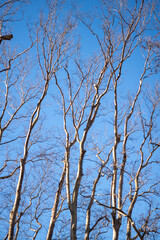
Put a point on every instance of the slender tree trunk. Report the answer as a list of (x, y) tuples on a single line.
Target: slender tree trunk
[(33, 121), (75, 194), (17, 201), (128, 237), (88, 222), (55, 206), (115, 233), (74, 225), (115, 222)]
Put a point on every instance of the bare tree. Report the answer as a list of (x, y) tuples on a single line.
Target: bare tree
[(88, 167), (56, 56)]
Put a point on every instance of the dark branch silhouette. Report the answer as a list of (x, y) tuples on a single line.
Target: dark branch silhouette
[(6, 37)]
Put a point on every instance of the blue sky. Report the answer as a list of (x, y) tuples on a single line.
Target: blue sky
[(129, 81), (30, 15)]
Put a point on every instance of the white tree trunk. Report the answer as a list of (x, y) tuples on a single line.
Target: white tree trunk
[(115, 233)]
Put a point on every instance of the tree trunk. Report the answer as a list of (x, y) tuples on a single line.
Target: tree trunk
[(115, 233), (55, 207), (17, 201), (128, 237), (74, 226), (88, 223)]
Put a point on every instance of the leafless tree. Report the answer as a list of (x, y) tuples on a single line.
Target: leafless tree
[(16, 84), (88, 168)]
